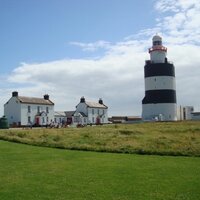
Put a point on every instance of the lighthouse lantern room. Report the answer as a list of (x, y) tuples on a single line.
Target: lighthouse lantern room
[(157, 51), (159, 102)]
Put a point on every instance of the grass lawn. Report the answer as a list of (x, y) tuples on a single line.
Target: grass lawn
[(165, 138), (30, 172)]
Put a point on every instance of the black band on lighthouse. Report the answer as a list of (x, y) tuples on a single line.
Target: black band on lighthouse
[(159, 69), (159, 96)]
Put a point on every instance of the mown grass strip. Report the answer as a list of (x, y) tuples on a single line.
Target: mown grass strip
[(29, 173)]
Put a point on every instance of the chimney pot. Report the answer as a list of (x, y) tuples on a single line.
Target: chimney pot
[(15, 94), (46, 97), (82, 100), (100, 101)]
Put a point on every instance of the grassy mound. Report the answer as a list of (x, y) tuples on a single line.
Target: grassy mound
[(171, 138)]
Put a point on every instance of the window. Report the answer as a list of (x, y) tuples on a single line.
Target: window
[(92, 119), (55, 120), (38, 109), (76, 119), (98, 111), (103, 112), (93, 111), (29, 109), (29, 119), (47, 109), (157, 43), (47, 119)]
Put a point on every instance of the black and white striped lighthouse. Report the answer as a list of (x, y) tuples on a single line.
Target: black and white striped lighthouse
[(160, 86)]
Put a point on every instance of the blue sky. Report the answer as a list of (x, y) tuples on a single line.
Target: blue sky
[(41, 30), (94, 48)]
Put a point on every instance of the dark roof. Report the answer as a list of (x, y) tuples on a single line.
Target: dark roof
[(195, 113), (69, 113), (41, 113), (81, 113), (125, 118), (34, 100)]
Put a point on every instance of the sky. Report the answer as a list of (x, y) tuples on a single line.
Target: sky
[(96, 49)]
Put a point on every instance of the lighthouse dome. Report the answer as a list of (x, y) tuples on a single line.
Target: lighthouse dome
[(157, 40)]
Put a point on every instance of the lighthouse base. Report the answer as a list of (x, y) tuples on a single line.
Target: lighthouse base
[(159, 112)]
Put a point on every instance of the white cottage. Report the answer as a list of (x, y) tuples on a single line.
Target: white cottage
[(23, 111), (90, 112)]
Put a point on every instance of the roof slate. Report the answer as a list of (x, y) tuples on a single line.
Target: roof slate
[(95, 105), (34, 100), (64, 113), (59, 113)]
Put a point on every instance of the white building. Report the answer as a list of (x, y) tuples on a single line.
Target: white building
[(23, 111), (159, 102), (90, 112), (185, 112)]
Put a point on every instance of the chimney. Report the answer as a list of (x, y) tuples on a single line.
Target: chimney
[(46, 97), (15, 94), (82, 100), (100, 101)]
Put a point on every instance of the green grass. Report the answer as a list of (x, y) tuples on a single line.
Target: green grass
[(175, 138), (29, 173)]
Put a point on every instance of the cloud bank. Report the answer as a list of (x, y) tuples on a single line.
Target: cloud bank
[(117, 76)]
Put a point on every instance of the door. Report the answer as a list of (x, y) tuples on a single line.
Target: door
[(37, 121)]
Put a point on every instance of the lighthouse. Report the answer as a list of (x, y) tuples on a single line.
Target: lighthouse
[(159, 102)]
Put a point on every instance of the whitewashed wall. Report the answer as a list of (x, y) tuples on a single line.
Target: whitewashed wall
[(45, 119), (93, 113), (17, 112), (12, 110)]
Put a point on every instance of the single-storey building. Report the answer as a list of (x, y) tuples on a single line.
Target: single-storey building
[(195, 115), (63, 117)]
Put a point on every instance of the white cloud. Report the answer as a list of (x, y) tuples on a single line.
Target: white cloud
[(181, 27), (166, 5), (92, 46), (117, 77), (175, 5)]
